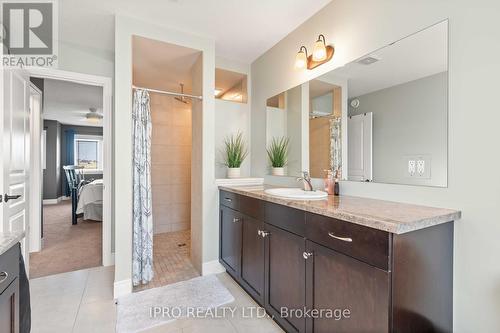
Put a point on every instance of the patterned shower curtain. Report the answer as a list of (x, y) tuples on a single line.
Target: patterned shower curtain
[(142, 253)]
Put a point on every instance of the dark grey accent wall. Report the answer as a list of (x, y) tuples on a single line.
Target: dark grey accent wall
[(82, 130), (38, 82), (52, 172)]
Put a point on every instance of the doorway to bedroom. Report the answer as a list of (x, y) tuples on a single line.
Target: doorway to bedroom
[(71, 147)]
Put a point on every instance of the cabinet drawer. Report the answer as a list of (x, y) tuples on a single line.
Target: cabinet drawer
[(289, 219), (363, 243), (229, 199), (251, 207), (9, 267)]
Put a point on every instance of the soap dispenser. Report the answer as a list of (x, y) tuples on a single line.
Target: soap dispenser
[(329, 182), (336, 185)]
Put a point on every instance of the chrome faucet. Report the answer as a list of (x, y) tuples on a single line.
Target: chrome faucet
[(306, 180)]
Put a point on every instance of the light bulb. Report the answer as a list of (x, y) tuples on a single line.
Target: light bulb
[(301, 60), (319, 51)]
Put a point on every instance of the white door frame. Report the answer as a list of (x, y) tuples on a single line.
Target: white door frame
[(106, 84), (36, 175)]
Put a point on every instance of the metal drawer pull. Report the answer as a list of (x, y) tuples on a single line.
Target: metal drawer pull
[(3, 276), (236, 220), (264, 233), (259, 232), (306, 255), (344, 239), (228, 199)]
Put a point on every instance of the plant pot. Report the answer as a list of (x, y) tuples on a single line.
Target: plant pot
[(233, 172), (278, 171)]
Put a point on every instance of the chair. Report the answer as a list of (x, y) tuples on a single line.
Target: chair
[(75, 179)]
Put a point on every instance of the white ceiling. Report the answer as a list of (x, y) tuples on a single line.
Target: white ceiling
[(422, 54), (162, 66), (69, 102), (242, 29)]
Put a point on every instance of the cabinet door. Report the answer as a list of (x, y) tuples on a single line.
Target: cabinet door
[(341, 283), (285, 278), (9, 308), (252, 258), (230, 240)]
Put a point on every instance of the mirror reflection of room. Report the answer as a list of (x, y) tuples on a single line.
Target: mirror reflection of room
[(381, 118)]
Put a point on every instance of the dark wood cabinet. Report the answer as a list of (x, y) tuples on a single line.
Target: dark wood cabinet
[(354, 278), (9, 291), (285, 276), (350, 295), (230, 240), (252, 257)]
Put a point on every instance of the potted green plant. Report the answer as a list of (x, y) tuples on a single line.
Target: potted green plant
[(235, 152), (278, 155)]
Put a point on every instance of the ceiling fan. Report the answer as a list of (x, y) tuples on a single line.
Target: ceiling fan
[(93, 116)]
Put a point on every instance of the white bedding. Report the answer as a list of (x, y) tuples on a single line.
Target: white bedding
[(90, 201)]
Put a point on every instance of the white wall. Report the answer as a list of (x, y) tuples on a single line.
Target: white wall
[(83, 59), (206, 202), (357, 27), (231, 117)]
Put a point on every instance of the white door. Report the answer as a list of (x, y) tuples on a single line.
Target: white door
[(14, 163), (359, 142), (36, 172)]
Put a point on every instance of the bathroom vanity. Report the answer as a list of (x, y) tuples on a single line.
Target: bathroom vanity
[(10, 281), (378, 266)]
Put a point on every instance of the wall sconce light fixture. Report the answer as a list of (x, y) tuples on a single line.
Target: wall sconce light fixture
[(321, 53)]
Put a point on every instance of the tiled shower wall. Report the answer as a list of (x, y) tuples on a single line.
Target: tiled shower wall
[(171, 163)]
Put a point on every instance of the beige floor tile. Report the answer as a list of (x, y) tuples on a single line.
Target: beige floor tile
[(96, 317), (209, 326), (171, 259), (97, 293)]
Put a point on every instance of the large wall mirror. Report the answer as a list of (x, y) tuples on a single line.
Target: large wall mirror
[(381, 118)]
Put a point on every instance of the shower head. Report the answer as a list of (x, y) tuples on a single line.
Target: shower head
[(182, 99)]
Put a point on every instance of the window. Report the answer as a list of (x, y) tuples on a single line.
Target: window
[(88, 152)]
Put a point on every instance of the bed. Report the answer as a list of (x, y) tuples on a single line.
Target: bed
[(90, 200)]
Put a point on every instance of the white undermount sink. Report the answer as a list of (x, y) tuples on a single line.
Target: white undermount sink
[(296, 193)]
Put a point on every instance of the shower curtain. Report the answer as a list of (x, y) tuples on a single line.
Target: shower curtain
[(142, 253)]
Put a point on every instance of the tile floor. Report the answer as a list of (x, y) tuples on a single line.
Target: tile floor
[(171, 262), (82, 301), (66, 247)]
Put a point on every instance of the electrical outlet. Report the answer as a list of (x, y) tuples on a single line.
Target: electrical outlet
[(421, 167), (411, 167)]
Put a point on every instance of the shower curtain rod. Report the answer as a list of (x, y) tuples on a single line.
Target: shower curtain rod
[(168, 93)]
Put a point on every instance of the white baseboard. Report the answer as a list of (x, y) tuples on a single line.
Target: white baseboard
[(52, 201), (65, 198), (212, 267), (122, 288)]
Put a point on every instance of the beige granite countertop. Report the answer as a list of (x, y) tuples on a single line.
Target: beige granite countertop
[(8, 239), (384, 215)]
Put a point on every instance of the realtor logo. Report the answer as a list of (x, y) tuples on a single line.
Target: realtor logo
[(28, 27), (29, 33)]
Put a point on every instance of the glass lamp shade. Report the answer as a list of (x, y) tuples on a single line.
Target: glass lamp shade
[(301, 60), (319, 51)]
